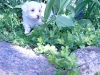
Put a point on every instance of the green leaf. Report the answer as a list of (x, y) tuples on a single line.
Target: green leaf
[(56, 6), (82, 45), (91, 8), (96, 73), (64, 21), (52, 59), (64, 4), (72, 10), (81, 6), (84, 22), (48, 9)]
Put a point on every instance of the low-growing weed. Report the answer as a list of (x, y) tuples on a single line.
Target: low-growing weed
[(55, 42)]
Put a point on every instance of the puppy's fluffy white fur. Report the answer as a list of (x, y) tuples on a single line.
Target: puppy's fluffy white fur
[(31, 13)]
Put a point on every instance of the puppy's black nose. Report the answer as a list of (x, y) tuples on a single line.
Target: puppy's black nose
[(38, 17)]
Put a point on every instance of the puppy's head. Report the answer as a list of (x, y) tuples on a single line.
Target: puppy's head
[(32, 10)]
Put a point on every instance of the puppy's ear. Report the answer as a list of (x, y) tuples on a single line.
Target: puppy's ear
[(24, 6), (41, 5)]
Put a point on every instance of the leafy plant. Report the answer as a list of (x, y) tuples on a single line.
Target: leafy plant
[(59, 9), (90, 9), (62, 59)]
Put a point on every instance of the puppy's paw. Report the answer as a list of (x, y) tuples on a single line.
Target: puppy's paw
[(27, 30)]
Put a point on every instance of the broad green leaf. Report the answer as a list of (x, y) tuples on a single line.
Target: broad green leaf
[(64, 21), (84, 22)]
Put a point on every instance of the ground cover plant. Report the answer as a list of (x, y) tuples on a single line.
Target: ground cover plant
[(74, 25)]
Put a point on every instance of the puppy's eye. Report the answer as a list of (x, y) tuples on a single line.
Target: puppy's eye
[(32, 10), (39, 10)]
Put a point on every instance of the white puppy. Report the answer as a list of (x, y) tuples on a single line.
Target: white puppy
[(31, 13)]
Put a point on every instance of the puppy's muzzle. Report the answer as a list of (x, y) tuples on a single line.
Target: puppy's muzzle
[(38, 17)]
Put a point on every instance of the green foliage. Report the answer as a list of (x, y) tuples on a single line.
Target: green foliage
[(59, 7), (64, 21), (96, 73), (81, 5), (90, 9), (5, 4), (62, 59)]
